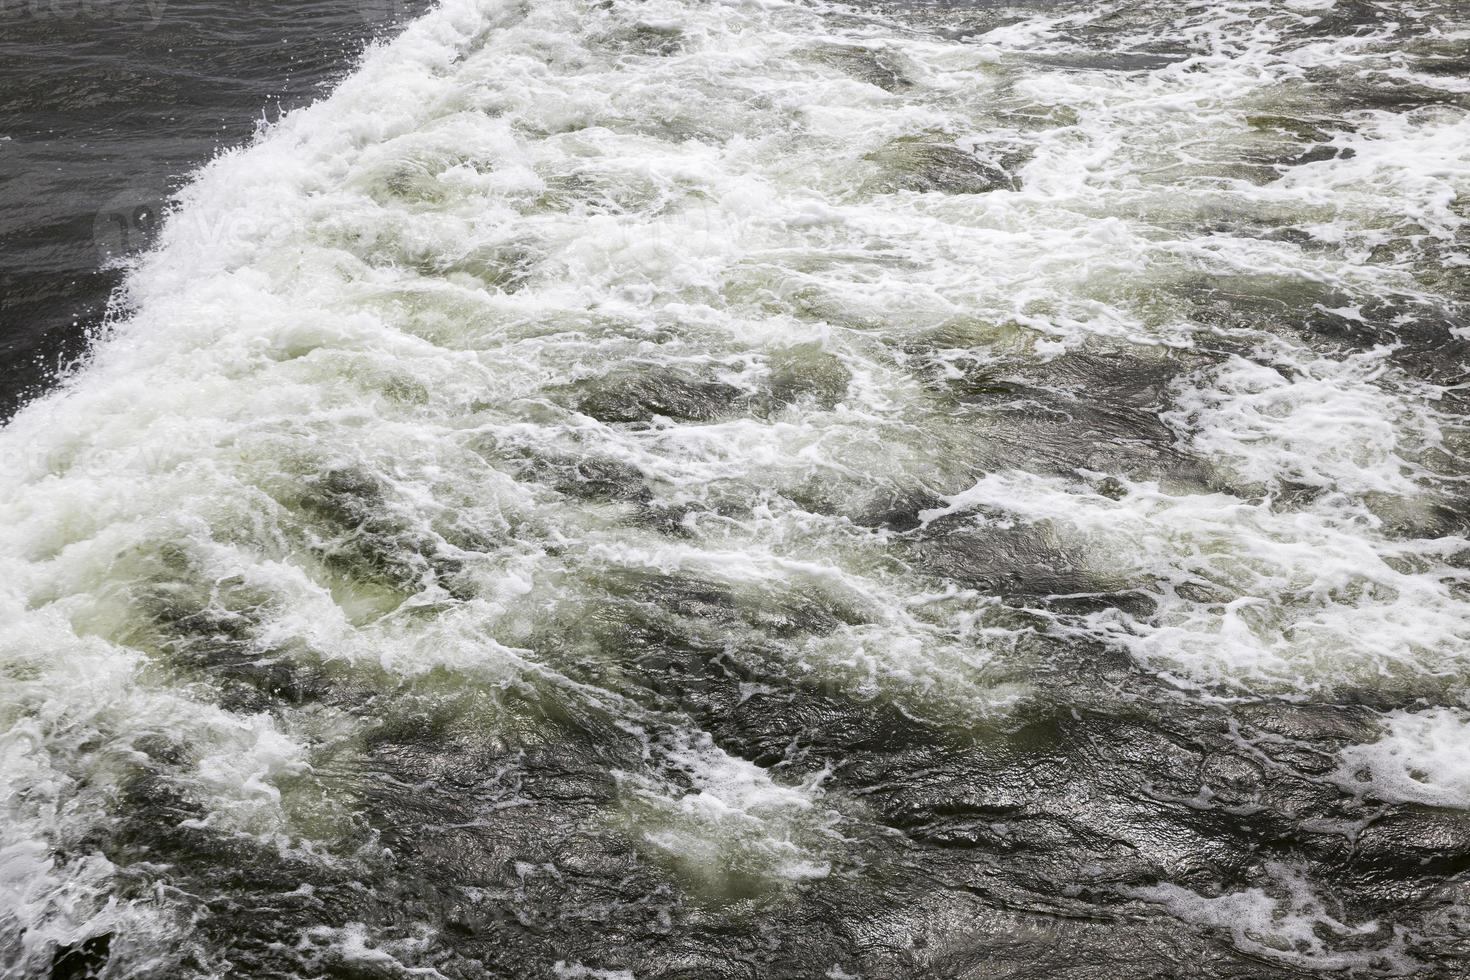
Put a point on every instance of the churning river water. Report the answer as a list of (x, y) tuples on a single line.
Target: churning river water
[(768, 489)]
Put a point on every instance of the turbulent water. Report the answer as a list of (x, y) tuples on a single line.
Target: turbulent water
[(105, 105), (758, 489)]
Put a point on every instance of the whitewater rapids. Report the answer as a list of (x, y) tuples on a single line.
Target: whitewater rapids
[(772, 489)]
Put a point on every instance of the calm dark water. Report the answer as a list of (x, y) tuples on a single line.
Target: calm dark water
[(105, 107)]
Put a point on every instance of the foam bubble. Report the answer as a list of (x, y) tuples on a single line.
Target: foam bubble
[(1420, 759), (1286, 923)]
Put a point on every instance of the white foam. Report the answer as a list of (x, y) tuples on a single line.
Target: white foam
[(1287, 923), (1322, 422), (1421, 758), (725, 815), (576, 971), (357, 946), (1247, 594)]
